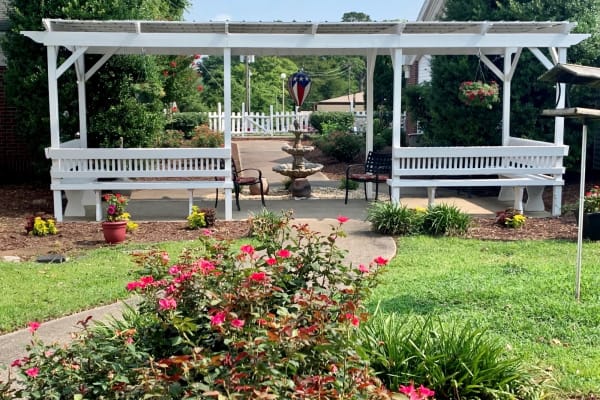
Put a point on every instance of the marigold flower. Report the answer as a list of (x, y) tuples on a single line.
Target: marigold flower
[(33, 326)]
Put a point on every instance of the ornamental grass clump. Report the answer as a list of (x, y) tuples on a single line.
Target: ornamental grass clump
[(226, 322)]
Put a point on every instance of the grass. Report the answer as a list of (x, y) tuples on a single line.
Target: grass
[(38, 292), (523, 292)]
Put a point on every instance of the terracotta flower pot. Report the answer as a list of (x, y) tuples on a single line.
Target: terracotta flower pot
[(114, 232)]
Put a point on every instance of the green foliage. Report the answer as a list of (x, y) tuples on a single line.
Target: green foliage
[(511, 289), (336, 121), (344, 147), (395, 219), (206, 137), (230, 322), (169, 139), (445, 219), (185, 122), (455, 359), (196, 219), (111, 90), (348, 183), (452, 123)]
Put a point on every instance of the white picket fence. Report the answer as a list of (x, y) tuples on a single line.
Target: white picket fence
[(274, 123)]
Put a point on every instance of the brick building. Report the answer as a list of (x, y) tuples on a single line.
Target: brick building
[(15, 165)]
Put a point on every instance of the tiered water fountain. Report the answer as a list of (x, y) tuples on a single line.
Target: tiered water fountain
[(299, 169)]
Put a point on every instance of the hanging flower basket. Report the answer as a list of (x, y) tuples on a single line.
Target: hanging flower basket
[(479, 94)]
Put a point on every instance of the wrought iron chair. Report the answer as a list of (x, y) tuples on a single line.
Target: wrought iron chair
[(376, 169), (240, 180)]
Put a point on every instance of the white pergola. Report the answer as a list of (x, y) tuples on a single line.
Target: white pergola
[(548, 41)]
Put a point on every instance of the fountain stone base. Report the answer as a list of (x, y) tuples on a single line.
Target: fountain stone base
[(299, 169)]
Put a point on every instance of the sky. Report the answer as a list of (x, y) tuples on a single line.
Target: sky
[(300, 10)]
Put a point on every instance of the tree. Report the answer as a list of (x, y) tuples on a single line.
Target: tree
[(115, 89), (453, 123)]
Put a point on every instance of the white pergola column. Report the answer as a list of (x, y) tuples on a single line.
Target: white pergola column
[(559, 131), (81, 96), (371, 59), (52, 52), (397, 113), (227, 128)]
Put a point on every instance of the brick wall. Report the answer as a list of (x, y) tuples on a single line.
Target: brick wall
[(15, 160)]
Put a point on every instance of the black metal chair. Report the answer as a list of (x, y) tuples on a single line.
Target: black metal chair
[(239, 181), (376, 169)]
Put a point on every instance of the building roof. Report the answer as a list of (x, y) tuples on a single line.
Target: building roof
[(357, 98)]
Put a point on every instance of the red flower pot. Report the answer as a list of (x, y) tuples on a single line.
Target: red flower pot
[(114, 232)]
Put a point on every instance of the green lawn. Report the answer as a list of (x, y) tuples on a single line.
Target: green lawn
[(523, 292), (34, 291)]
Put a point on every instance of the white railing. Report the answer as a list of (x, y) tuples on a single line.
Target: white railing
[(271, 124)]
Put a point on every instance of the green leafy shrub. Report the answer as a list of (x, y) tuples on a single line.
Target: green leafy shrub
[(227, 323), (206, 137), (349, 183), (185, 122), (169, 139), (342, 121), (456, 360), (445, 219), (344, 147), (395, 219)]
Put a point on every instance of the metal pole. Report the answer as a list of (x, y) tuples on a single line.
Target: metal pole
[(580, 216), (283, 76)]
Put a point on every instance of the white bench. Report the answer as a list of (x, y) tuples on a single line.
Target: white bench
[(517, 167), (77, 170)]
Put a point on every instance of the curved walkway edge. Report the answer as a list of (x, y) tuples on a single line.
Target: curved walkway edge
[(362, 245)]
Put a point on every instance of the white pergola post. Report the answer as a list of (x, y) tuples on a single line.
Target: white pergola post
[(397, 113), (371, 59), (559, 131), (52, 52), (81, 96), (227, 122)]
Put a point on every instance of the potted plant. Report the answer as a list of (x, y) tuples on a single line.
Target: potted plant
[(115, 226), (479, 94)]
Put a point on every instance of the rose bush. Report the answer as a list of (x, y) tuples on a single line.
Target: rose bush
[(274, 318)]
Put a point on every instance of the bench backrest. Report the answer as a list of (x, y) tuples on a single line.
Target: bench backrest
[(479, 160), (97, 163), (378, 163)]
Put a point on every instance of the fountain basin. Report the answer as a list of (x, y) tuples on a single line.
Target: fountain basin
[(297, 150), (289, 171)]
